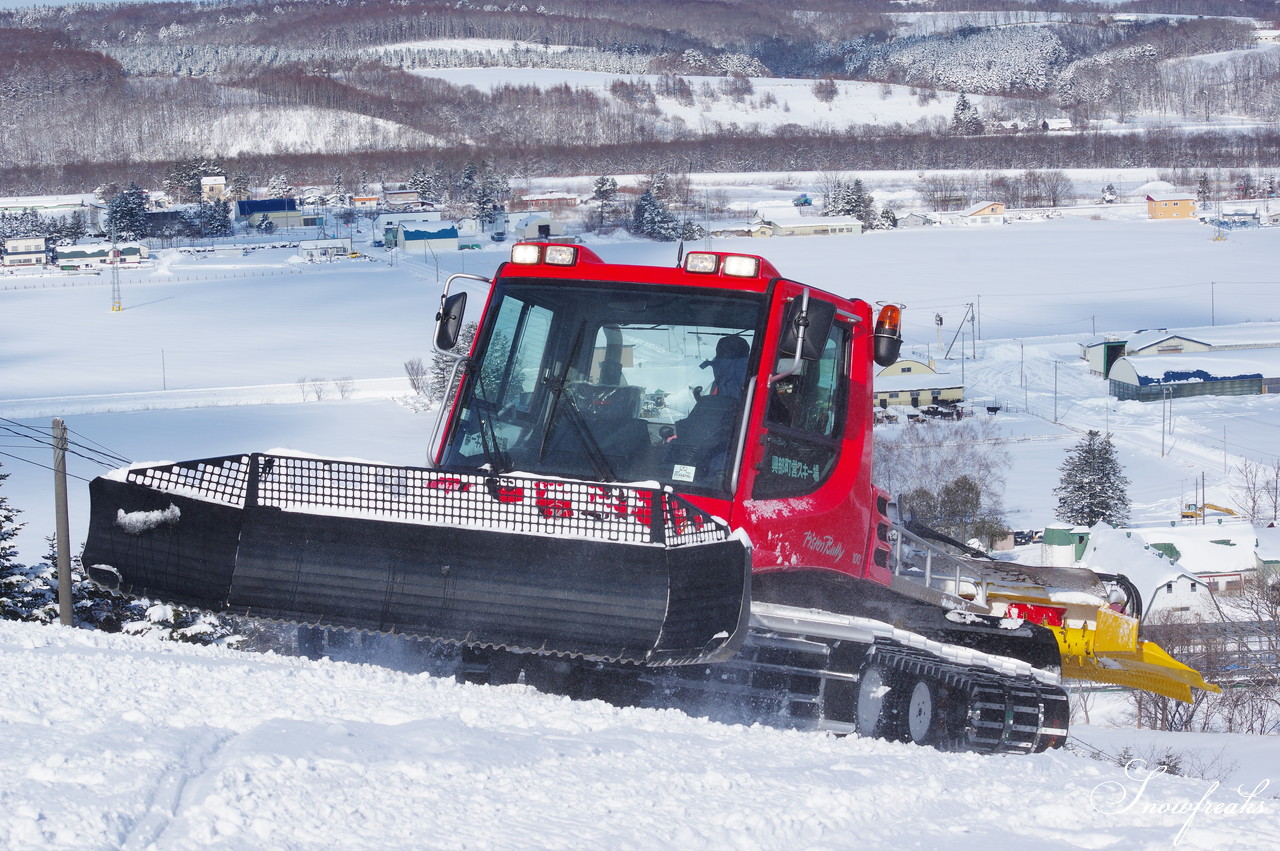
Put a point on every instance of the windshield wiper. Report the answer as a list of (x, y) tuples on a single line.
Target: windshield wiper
[(577, 423), (494, 455)]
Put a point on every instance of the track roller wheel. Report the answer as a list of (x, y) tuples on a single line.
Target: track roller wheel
[(878, 710), (923, 713)]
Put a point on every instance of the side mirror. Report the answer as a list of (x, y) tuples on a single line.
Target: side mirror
[(817, 318), (449, 321)]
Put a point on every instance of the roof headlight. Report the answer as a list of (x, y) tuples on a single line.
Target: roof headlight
[(561, 255), (701, 263), (742, 266), (526, 253)]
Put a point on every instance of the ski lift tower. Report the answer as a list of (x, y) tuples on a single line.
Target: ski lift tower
[(116, 306)]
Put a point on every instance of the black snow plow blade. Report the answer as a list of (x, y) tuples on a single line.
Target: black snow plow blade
[(616, 573)]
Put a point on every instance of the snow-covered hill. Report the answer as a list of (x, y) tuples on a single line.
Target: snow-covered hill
[(207, 355), (118, 742)]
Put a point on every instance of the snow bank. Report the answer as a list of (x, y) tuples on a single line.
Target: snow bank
[(117, 741)]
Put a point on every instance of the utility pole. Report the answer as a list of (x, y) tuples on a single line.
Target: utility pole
[(1055, 391), (1022, 376), (1166, 415), (115, 274), (62, 524)]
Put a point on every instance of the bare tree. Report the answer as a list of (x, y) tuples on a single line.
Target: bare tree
[(1237, 652), (345, 386), (302, 386), (936, 467), (318, 387), (825, 89), (1254, 490), (416, 370)]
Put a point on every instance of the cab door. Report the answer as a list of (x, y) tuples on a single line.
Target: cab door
[(809, 492)]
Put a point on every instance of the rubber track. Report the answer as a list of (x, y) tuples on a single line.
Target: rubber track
[(1006, 714)]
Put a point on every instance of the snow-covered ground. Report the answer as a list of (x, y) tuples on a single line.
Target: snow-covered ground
[(112, 741), (117, 742), (206, 357)]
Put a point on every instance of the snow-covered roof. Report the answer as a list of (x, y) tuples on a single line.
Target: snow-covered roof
[(48, 202), (100, 249), (1128, 552), (916, 381), (1146, 339), (331, 242), (1171, 196), (448, 232), (1100, 340), (551, 196), (734, 224), (1268, 548), (974, 209), (1200, 366), (793, 220), (1215, 336), (532, 218)]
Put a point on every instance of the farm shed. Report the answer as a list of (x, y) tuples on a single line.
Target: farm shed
[(1230, 373), (915, 383)]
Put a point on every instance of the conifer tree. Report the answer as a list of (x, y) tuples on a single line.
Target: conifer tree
[(1204, 194), (651, 218), (9, 527), (127, 214), (1093, 487), (603, 192), (279, 187), (240, 186), (437, 383), (842, 200), (964, 119)]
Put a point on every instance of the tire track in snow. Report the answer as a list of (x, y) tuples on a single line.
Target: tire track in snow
[(172, 794)]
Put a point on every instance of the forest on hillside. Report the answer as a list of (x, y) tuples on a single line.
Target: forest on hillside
[(114, 92)]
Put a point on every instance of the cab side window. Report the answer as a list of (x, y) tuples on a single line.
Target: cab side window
[(804, 422)]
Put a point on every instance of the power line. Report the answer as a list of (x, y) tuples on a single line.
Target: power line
[(40, 433), (105, 451), (45, 466), (40, 438)]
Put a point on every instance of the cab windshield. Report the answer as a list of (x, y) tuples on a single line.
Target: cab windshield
[(621, 383)]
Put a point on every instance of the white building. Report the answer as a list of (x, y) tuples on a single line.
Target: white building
[(213, 188), (535, 226), (25, 251), (982, 214), (323, 249)]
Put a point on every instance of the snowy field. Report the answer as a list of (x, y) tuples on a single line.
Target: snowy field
[(204, 359), (116, 742)]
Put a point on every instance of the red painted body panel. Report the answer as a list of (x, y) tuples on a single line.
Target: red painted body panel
[(840, 525)]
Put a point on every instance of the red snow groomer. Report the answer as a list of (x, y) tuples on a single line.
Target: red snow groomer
[(640, 469)]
